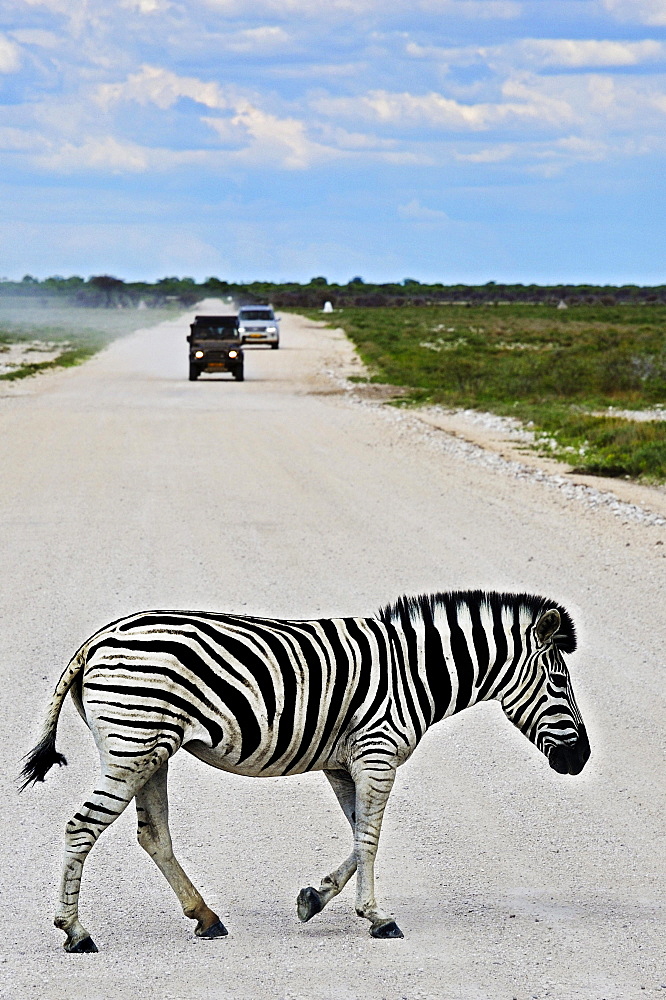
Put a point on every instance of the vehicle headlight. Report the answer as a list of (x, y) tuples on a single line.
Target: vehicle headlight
[(233, 354), (241, 329), (198, 354), (271, 329)]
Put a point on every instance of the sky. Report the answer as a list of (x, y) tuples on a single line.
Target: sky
[(441, 140)]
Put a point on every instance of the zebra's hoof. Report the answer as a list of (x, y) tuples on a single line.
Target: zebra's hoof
[(217, 930), (308, 904), (86, 946), (387, 930)]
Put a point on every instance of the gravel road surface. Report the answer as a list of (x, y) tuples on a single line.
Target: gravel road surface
[(124, 487)]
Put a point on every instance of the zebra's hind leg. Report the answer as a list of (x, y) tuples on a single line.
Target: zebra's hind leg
[(117, 787), (152, 808), (311, 901)]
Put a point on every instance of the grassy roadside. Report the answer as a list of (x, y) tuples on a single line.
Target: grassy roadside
[(554, 369), (68, 335)]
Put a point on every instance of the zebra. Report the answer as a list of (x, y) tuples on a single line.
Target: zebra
[(351, 697)]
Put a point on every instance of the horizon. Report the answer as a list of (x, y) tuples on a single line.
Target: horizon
[(315, 281)]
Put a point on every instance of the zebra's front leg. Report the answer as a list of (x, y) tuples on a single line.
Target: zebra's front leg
[(152, 809), (373, 787), (311, 901)]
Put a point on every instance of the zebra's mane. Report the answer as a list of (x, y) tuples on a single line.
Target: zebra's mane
[(425, 607)]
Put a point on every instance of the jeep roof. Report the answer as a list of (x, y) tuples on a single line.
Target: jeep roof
[(215, 326)]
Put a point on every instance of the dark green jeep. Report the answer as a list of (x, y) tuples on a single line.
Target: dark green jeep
[(215, 346)]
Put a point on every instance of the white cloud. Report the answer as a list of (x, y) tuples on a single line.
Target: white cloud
[(535, 53), (19, 140), (146, 6), (10, 56), (417, 212), (106, 154), (605, 104), (577, 118), (544, 103), (437, 111), (228, 131), (258, 40), (57, 6), (406, 159), (279, 140), (81, 15), (269, 140), (474, 9), (500, 10), (552, 157), (343, 139), (265, 140), (492, 154), (432, 51), (262, 140), (89, 11), (602, 95), (35, 36), (576, 53), (316, 70), (583, 149), (154, 85), (641, 11)]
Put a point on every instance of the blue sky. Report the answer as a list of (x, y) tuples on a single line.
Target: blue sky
[(443, 140)]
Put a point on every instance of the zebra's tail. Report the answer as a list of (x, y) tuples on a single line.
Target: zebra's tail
[(41, 758)]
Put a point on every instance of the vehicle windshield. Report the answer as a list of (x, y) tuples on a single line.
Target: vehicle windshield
[(255, 314), (225, 332)]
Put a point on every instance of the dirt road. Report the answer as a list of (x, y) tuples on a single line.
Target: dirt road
[(124, 486)]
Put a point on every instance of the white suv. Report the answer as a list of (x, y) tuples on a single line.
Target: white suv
[(258, 325)]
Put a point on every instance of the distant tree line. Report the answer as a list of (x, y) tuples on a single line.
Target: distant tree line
[(105, 291)]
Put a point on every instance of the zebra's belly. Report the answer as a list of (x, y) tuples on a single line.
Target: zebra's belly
[(253, 768)]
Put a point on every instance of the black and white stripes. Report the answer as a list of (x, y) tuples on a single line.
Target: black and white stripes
[(262, 697)]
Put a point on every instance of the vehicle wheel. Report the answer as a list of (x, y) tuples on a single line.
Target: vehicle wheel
[(239, 375), (194, 373), (274, 347)]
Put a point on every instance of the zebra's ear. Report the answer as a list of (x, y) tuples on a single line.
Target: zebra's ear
[(547, 625)]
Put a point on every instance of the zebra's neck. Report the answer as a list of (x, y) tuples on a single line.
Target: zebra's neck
[(462, 647)]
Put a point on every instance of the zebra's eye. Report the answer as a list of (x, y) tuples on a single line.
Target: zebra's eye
[(558, 680)]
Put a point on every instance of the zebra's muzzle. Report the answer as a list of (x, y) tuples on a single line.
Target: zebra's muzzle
[(571, 759)]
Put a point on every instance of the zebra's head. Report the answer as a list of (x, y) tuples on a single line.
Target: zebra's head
[(540, 700)]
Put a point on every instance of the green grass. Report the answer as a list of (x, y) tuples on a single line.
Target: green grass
[(551, 367), (81, 332), (606, 446)]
